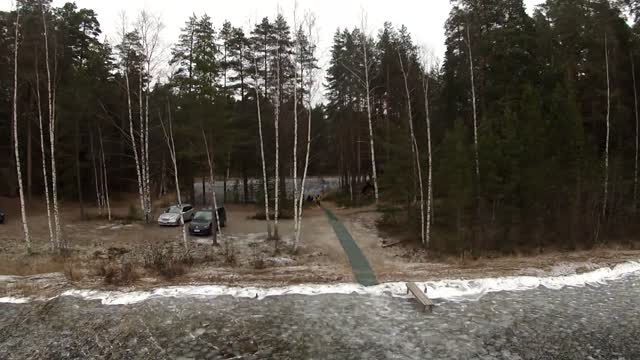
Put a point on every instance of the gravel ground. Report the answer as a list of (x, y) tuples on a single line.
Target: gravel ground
[(574, 323)]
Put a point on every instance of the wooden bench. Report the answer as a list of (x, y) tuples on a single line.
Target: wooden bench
[(420, 296)]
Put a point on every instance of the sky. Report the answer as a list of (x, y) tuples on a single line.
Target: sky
[(424, 18)]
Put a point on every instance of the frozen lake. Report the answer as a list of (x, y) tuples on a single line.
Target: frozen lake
[(235, 188), (595, 322)]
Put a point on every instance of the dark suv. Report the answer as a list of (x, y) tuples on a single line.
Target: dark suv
[(1, 217)]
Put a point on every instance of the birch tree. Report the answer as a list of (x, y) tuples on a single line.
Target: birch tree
[(473, 103), (264, 163), (425, 83), (606, 151), (104, 178), (298, 59), (126, 48), (213, 183), (171, 145), (414, 147), (276, 109), (310, 20), (149, 28), (635, 109), (367, 86), (16, 145), (45, 177), (97, 178), (60, 243)]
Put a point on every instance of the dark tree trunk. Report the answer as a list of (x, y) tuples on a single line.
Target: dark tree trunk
[(245, 182), (78, 170), (204, 193), (29, 164)]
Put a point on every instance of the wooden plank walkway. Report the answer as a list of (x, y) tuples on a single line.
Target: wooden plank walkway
[(420, 296), (359, 264)]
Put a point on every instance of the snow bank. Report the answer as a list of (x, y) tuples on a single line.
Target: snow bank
[(13, 300), (450, 290)]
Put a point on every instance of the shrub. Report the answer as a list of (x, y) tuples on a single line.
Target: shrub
[(165, 262), (72, 273), (229, 253), (117, 274)]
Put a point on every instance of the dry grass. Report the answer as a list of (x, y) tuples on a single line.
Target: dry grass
[(166, 261), (32, 265), (73, 272), (116, 273), (229, 253)]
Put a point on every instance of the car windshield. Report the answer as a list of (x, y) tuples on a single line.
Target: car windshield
[(174, 210), (203, 216)]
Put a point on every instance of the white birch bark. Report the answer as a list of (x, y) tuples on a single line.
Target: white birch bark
[(430, 161), (475, 113), (310, 72), (213, 189), (60, 244), (295, 123), (143, 168), (168, 135), (264, 163), (276, 235), (153, 52), (374, 172), (416, 151), (606, 153), (97, 179), (635, 169), (105, 179), (16, 143), (45, 176), (132, 133), (149, 27)]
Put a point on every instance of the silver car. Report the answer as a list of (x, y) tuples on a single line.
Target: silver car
[(171, 217)]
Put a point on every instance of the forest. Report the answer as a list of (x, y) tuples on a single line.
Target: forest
[(524, 136)]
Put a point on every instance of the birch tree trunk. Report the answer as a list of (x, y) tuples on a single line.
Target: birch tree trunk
[(276, 236), (16, 145), (150, 27), (45, 176), (311, 24), (142, 153), (606, 152), (475, 113), (295, 126), (168, 135), (105, 179), (132, 133), (60, 243), (213, 189), (635, 169), (430, 162), (374, 172), (264, 163), (97, 178), (416, 152)]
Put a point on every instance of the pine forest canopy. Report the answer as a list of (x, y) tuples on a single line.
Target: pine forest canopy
[(525, 135)]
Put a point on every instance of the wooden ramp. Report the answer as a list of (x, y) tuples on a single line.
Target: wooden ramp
[(420, 296)]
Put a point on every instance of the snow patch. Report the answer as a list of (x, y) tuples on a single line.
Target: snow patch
[(449, 290), (14, 300)]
